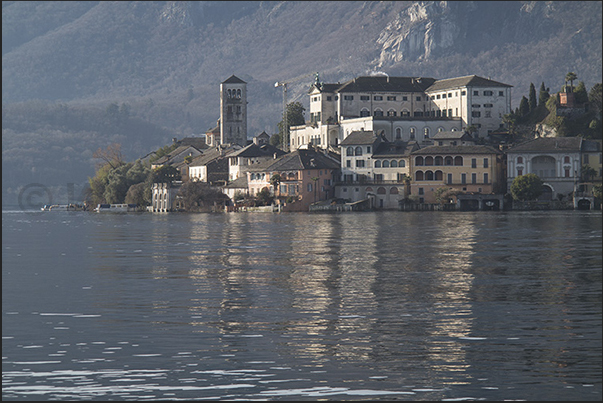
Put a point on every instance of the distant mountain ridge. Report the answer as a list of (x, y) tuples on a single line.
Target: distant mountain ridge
[(166, 59)]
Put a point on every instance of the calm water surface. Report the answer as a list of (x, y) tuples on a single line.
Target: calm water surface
[(349, 306)]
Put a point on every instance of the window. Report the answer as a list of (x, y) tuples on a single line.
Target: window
[(404, 98), (391, 112), (485, 162), (520, 160), (438, 96), (348, 97), (439, 160), (421, 191), (463, 178), (476, 93), (419, 161), (458, 161), (476, 114), (419, 175), (348, 163), (426, 132), (488, 105), (391, 98), (405, 113), (444, 113), (418, 98), (349, 151), (377, 164), (378, 178), (309, 187), (377, 98), (359, 163), (429, 160), (368, 149), (364, 112), (474, 178), (566, 160), (567, 172), (449, 113), (398, 133), (449, 181), (501, 93), (473, 162), (486, 178), (463, 93), (418, 114), (586, 158), (450, 95), (364, 97), (488, 93), (475, 105), (402, 164), (412, 133), (358, 151), (329, 98), (488, 114), (378, 112)]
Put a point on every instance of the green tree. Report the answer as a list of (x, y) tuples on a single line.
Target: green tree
[(137, 194), (595, 96), (543, 95), (524, 107), (587, 173), (295, 117), (571, 77), (275, 181), (200, 196), (597, 191), (526, 187), (532, 97), (580, 94), (166, 174), (264, 198)]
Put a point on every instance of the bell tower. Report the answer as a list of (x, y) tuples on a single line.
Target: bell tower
[(233, 111)]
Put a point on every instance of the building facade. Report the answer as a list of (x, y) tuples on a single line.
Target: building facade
[(404, 108)]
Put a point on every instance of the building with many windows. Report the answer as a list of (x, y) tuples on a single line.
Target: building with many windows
[(403, 108)]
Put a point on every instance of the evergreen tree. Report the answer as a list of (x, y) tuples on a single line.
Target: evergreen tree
[(580, 94), (524, 107), (543, 95), (532, 100)]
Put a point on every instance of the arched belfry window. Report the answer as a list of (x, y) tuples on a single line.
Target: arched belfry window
[(239, 94), (229, 93)]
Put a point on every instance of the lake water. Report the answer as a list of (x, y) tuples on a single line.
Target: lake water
[(268, 306)]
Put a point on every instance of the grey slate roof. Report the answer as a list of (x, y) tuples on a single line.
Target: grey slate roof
[(386, 84), (233, 80), (591, 145), (303, 159), (240, 182), (457, 150), (549, 145), (451, 135), (466, 81), (395, 149), (210, 155), (359, 137), (254, 150)]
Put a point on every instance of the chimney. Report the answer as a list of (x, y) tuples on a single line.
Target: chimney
[(275, 156)]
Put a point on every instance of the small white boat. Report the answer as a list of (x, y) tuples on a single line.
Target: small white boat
[(115, 208)]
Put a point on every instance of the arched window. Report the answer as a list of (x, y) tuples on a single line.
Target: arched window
[(419, 161), (439, 161), (377, 164), (439, 175), (398, 133), (429, 175), (520, 160), (566, 160), (402, 163), (419, 175), (385, 164), (391, 112), (381, 191), (365, 112), (393, 191), (252, 176), (448, 161), (440, 129), (239, 94), (393, 164), (429, 160), (378, 112), (458, 161), (426, 132), (349, 151), (413, 133), (358, 151), (229, 94), (405, 113)]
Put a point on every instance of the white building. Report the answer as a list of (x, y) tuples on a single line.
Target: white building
[(404, 108)]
